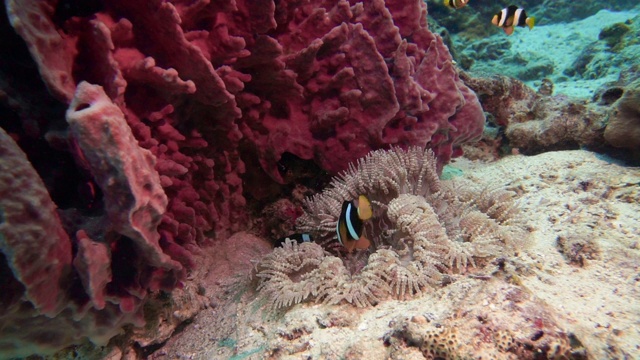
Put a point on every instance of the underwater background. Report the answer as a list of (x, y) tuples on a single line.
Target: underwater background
[(467, 172)]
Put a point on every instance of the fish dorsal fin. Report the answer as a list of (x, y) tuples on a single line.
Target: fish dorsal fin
[(364, 208)]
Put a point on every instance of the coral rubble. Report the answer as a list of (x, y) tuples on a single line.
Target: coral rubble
[(422, 229), (534, 122)]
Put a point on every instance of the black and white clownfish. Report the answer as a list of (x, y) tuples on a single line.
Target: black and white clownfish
[(351, 223), (456, 4), (512, 16), (300, 238)]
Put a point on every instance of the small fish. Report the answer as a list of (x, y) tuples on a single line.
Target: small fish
[(351, 223), (456, 4), (512, 16), (300, 238)]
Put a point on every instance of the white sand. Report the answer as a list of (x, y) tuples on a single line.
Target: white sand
[(562, 43), (559, 45)]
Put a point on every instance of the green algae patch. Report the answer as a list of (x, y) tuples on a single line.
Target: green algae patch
[(449, 172)]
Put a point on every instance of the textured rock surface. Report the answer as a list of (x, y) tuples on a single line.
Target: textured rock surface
[(533, 122), (623, 129), (33, 21), (33, 242), (559, 123)]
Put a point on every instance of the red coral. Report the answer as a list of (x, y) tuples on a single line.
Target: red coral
[(206, 88)]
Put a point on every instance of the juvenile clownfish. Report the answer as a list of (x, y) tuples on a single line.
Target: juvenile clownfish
[(512, 16), (300, 238), (456, 4), (351, 223)]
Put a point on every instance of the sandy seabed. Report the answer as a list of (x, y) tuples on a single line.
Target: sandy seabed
[(575, 290)]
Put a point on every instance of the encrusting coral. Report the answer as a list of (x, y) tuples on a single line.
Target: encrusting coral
[(422, 229)]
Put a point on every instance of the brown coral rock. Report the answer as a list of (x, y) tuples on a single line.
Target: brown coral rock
[(507, 99), (535, 122), (558, 123), (623, 129), (577, 250)]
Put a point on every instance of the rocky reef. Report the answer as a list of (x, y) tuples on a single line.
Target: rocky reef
[(151, 151), (137, 131)]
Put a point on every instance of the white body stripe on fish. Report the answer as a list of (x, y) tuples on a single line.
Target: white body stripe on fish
[(306, 238), (350, 228), (338, 231), (503, 17), (516, 17)]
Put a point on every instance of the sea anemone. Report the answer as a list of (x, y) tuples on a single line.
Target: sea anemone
[(422, 229)]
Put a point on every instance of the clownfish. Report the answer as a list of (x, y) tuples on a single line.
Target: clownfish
[(512, 16), (351, 223), (300, 238), (456, 4)]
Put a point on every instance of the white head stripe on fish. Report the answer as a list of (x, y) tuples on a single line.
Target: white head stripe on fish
[(503, 17), (350, 228), (516, 17)]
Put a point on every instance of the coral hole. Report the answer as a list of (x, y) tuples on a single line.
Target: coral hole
[(82, 106), (611, 95)]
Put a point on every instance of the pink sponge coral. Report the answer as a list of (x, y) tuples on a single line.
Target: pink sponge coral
[(134, 199), (177, 108), (43, 308), (345, 79)]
